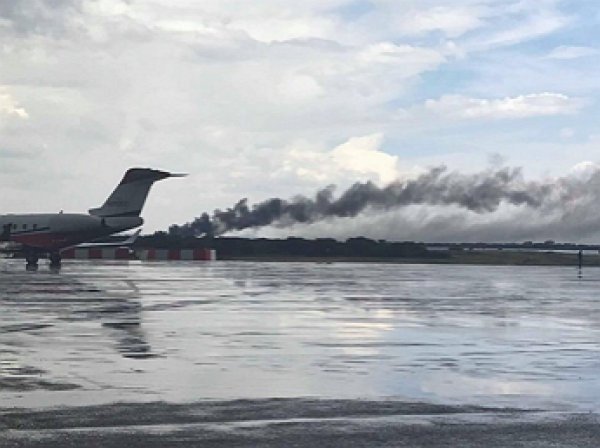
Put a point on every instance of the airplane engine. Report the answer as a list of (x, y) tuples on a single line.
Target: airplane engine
[(122, 223)]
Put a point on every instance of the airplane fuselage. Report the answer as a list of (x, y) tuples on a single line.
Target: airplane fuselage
[(54, 232)]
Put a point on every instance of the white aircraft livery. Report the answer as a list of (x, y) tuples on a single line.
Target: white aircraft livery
[(40, 234)]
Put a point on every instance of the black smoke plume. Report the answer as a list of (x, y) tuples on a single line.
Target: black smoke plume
[(481, 192)]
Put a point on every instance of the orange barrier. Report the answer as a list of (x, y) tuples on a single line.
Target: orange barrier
[(96, 253), (178, 254), (123, 253)]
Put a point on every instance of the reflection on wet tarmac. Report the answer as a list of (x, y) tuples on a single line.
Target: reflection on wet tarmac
[(100, 332), (50, 298)]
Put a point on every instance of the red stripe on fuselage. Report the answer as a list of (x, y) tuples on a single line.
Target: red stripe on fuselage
[(46, 240)]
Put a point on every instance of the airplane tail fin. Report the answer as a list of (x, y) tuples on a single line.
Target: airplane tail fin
[(127, 200)]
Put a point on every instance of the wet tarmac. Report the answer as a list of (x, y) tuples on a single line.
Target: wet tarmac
[(468, 350)]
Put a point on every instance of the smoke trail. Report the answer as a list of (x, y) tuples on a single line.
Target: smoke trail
[(481, 193)]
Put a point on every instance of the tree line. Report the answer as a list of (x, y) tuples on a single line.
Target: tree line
[(232, 247)]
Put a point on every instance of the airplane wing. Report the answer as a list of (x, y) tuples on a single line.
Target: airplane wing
[(126, 242)]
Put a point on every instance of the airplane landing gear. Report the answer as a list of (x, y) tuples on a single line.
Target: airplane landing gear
[(55, 260), (32, 259)]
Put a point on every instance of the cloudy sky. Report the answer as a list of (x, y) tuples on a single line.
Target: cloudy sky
[(279, 97)]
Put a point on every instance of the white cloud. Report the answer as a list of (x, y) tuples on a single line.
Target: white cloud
[(266, 21), (359, 158), (567, 53), (479, 25), (585, 169), (453, 20), (523, 106), (363, 156), (525, 25), (9, 106)]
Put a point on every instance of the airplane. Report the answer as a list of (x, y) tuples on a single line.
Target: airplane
[(36, 235)]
